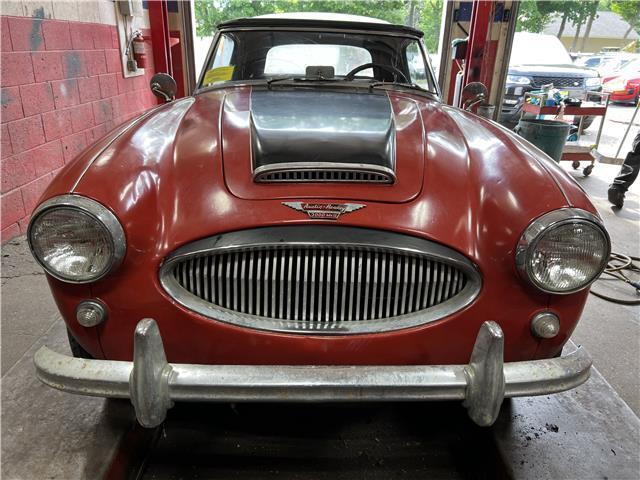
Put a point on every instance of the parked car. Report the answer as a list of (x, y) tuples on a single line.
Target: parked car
[(625, 86), (538, 60), (605, 62), (329, 232)]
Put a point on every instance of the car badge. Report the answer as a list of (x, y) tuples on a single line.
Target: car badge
[(324, 211)]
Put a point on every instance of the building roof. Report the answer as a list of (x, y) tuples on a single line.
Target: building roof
[(320, 20), (606, 25)]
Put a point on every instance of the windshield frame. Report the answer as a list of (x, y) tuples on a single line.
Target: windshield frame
[(338, 82)]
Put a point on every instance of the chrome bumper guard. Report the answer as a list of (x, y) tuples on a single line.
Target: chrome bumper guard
[(153, 384)]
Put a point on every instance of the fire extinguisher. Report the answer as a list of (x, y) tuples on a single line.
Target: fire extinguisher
[(139, 52)]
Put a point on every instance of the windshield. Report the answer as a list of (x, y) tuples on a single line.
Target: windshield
[(536, 49), (266, 54), (631, 68)]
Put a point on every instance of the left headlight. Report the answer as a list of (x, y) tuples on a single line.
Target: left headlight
[(592, 82), (76, 239), (518, 79), (563, 251)]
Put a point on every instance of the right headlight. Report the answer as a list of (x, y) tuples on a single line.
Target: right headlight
[(592, 82), (76, 239), (563, 251)]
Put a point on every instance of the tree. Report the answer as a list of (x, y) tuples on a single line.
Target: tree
[(209, 13), (579, 13), (535, 15), (592, 16), (425, 15), (628, 10), (533, 18), (563, 24), (429, 14)]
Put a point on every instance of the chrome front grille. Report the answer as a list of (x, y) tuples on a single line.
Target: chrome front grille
[(319, 284), (559, 82), (329, 286)]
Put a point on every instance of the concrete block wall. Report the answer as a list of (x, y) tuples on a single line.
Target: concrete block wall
[(62, 88)]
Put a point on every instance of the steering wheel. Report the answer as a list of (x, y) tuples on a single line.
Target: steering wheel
[(393, 70)]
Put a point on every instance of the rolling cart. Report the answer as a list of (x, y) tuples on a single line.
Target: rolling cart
[(579, 150)]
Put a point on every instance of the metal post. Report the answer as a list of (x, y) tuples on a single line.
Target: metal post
[(624, 137), (479, 34), (159, 19)]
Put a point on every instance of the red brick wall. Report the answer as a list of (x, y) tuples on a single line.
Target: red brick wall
[(62, 88)]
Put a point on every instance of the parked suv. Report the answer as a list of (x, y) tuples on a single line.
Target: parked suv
[(538, 60)]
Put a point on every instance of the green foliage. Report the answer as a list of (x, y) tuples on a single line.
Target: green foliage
[(210, 13), (427, 13), (533, 16), (629, 10)]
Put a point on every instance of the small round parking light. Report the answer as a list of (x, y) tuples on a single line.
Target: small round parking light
[(545, 325), (90, 313)]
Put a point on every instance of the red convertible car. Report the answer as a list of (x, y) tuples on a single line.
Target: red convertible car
[(625, 86), (314, 224)]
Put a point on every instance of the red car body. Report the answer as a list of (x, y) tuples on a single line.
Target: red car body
[(182, 172), (624, 88), (325, 232)]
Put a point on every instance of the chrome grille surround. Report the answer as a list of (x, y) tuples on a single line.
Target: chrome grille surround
[(559, 82), (320, 172), (249, 278)]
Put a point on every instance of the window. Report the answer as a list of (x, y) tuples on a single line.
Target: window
[(294, 59), (261, 54), (415, 62), (224, 51)]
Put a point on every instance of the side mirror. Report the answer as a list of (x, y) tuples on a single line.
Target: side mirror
[(163, 86), (472, 94)]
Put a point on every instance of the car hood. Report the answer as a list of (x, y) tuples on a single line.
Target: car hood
[(183, 172), (263, 128), (623, 79), (555, 70)]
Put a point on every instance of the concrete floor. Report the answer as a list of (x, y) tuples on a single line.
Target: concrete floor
[(616, 121), (79, 425), (611, 332)]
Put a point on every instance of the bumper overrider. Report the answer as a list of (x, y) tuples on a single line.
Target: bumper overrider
[(153, 384)]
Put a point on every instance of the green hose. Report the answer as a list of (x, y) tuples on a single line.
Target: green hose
[(616, 267)]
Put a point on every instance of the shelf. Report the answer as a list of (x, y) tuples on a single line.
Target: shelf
[(587, 108), (579, 157), (578, 147), (578, 151)]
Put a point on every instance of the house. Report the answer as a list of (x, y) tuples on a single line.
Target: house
[(608, 30)]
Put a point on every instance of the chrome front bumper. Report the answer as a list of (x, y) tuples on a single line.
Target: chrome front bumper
[(153, 384)]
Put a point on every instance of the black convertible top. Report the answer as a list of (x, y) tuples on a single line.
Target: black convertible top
[(266, 22)]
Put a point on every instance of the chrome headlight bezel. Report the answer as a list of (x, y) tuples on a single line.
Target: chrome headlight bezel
[(97, 212), (545, 224), (518, 80), (592, 82)]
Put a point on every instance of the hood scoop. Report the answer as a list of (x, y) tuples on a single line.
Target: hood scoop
[(303, 136)]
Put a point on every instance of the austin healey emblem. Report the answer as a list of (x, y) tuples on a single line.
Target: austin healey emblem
[(324, 211)]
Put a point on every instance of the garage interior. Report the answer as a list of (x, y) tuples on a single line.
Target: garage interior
[(67, 79)]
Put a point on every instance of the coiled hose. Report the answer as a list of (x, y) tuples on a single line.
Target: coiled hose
[(617, 266)]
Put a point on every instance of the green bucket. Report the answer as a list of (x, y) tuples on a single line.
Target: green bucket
[(548, 135)]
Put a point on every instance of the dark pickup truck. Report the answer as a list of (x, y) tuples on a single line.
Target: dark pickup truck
[(538, 60)]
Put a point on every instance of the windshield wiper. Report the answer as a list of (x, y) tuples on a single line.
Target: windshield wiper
[(299, 79), (412, 86)]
